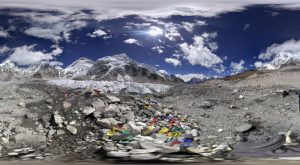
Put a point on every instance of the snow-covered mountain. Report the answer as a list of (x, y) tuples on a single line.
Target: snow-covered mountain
[(281, 60), (78, 68), (111, 68), (122, 68), (8, 66)]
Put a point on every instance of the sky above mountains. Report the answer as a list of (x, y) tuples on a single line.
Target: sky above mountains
[(188, 38)]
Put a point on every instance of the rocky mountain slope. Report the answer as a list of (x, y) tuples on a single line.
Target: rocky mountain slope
[(111, 68)]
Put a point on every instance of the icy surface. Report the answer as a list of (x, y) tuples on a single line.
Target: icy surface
[(113, 86)]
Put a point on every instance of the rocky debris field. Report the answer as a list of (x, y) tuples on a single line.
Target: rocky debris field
[(189, 124), (75, 124)]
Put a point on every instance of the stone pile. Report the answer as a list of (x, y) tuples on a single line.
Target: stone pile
[(144, 129)]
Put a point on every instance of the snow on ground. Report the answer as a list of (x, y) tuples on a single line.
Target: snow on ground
[(113, 86)]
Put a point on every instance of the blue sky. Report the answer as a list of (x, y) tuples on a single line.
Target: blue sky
[(218, 42)]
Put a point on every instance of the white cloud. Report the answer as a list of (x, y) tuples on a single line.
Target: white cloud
[(54, 27), (189, 26), (99, 33), (172, 32), (173, 61), (27, 55), (158, 49), (4, 33), (246, 26), (104, 9), (161, 71), (188, 77), (4, 49), (50, 34), (291, 46), (133, 41), (258, 64), (237, 67), (198, 53)]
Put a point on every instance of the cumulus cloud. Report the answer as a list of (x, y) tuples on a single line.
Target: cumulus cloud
[(132, 41), (27, 55), (99, 33), (291, 46), (3, 34), (173, 61), (199, 53), (237, 67), (4, 49), (158, 49), (55, 27), (188, 77), (164, 72)]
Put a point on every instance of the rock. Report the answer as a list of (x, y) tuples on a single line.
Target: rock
[(58, 119), (51, 132), (243, 128), (194, 132), (144, 157), (29, 138), (108, 122), (220, 130), (49, 101), (113, 99), (118, 154), (4, 140), (22, 104), (66, 105), (109, 147), (233, 107), (206, 105), (241, 97), (97, 114), (111, 111), (60, 132), (72, 122), (99, 105), (159, 147), (88, 110), (133, 128), (72, 129), (235, 91), (143, 151), (129, 116)]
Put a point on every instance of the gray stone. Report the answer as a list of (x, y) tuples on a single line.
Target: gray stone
[(60, 132), (144, 157), (118, 154), (97, 114), (29, 138), (58, 119), (88, 110), (113, 99), (99, 105), (243, 128), (206, 105), (111, 111), (133, 128), (72, 129), (108, 122), (66, 105)]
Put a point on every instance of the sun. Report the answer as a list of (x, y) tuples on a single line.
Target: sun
[(155, 31)]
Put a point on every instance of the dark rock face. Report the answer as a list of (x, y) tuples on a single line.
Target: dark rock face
[(196, 81), (124, 69), (46, 71)]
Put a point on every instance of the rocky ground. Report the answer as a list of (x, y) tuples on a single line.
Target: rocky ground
[(195, 123)]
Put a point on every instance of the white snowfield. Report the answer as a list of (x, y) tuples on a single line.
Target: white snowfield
[(113, 86)]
